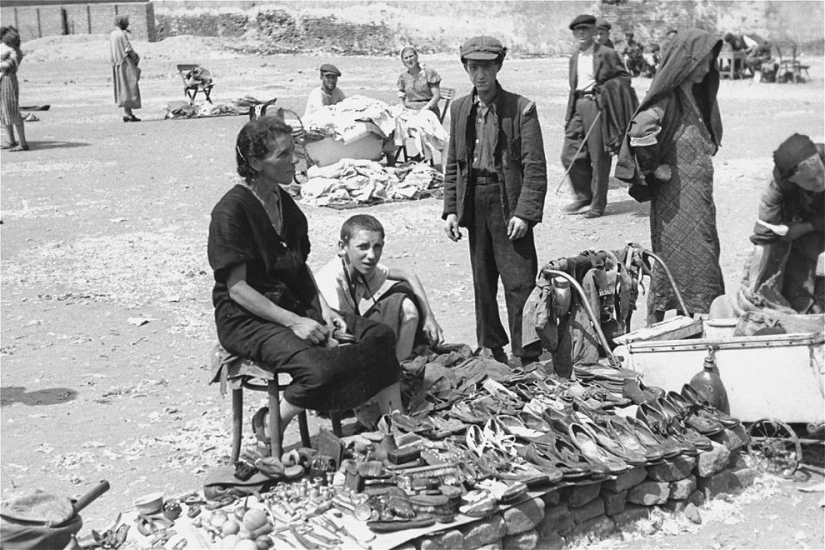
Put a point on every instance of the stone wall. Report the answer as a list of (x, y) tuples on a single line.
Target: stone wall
[(592, 510), (526, 27), (37, 21)]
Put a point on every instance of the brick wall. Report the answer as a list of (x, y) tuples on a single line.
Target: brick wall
[(92, 18)]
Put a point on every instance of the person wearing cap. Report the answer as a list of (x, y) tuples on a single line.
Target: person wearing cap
[(790, 232), (495, 181), (328, 93), (591, 66), (603, 32)]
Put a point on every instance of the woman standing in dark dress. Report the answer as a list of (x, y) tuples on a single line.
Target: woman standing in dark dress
[(672, 139), (267, 305)]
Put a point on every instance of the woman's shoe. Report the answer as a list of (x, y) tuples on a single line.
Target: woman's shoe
[(690, 393), (693, 416), (624, 434), (498, 437), (649, 439), (575, 464), (616, 447), (546, 463), (582, 438), (516, 427)]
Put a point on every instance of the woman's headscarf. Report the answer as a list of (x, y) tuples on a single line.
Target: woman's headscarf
[(122, 21), (684, 54), (405, 48)]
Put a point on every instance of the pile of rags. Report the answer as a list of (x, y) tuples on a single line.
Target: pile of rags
[(346, 120), (351, 182)]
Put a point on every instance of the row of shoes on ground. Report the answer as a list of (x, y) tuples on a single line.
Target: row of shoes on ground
[(689, 405)]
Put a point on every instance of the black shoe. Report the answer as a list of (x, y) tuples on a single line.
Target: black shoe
[(499, 355), (576, 207), (135, 119), (127, 119), (592, 214)]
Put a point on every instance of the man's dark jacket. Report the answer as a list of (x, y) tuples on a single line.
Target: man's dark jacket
[(606, 64), (519, 159)]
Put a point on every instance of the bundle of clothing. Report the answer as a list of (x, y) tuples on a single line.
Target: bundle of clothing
[(184, 109), (560, 321), (351, 182), (346, 120)]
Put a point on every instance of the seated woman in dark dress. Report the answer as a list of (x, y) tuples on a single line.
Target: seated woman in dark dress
[(267, 305)]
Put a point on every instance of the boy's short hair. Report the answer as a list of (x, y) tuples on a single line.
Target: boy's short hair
[(363, 222)]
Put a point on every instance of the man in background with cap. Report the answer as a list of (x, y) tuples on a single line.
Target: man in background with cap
[(328, 93), (591, 66), (603, 33), (494, 185)]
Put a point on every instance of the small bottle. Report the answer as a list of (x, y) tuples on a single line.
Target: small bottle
[(561, 296), (708, 383)]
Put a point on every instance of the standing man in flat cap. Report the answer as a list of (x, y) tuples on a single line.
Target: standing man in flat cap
[(590, 68), (603, 33), (328, 93), (494, 186)]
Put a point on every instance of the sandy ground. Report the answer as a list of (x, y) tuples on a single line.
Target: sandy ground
[(106, 311)]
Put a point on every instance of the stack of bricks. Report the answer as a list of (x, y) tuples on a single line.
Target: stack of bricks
[(597, 509)]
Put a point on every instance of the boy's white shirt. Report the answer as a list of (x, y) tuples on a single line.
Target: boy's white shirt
[(332, 283)]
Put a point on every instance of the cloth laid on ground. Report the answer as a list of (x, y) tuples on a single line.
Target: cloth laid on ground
[(184, 109), (356, 181)]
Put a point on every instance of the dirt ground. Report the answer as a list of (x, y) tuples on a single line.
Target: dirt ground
[(106, 310)]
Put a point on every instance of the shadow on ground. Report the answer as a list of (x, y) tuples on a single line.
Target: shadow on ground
[(52, 396)]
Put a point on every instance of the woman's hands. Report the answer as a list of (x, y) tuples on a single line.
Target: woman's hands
[(309, 329)]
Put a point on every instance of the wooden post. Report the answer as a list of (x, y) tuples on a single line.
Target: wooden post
[(89, 18), (39, 31)]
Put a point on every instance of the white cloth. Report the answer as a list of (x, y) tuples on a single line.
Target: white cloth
[(342, 118), (354, 181), (585, 71), (750, 42), (423, 127), (332, 283)]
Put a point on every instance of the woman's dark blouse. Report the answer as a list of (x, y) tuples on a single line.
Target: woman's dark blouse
[(241, 233)]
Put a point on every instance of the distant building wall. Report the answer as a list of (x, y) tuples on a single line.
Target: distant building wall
[(38, 19)]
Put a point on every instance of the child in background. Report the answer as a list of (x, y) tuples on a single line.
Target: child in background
[(357, 275)]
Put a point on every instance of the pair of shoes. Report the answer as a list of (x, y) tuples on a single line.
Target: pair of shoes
[(576, 207), (590, 214), (19, 148)]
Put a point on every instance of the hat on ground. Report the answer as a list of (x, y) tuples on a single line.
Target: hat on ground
[(330, 68), (602, 23), (583, 20), (793, 150), (482, 48)]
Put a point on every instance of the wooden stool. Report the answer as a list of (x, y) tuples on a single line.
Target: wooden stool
[(240, 374)]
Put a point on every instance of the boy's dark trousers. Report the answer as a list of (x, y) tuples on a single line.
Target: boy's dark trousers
[(493, 255)]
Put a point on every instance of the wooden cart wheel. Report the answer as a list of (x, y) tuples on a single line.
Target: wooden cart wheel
[(299, 135), (774, 447)]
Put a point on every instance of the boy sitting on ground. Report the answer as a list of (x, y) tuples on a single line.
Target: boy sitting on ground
[(357, 275)]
